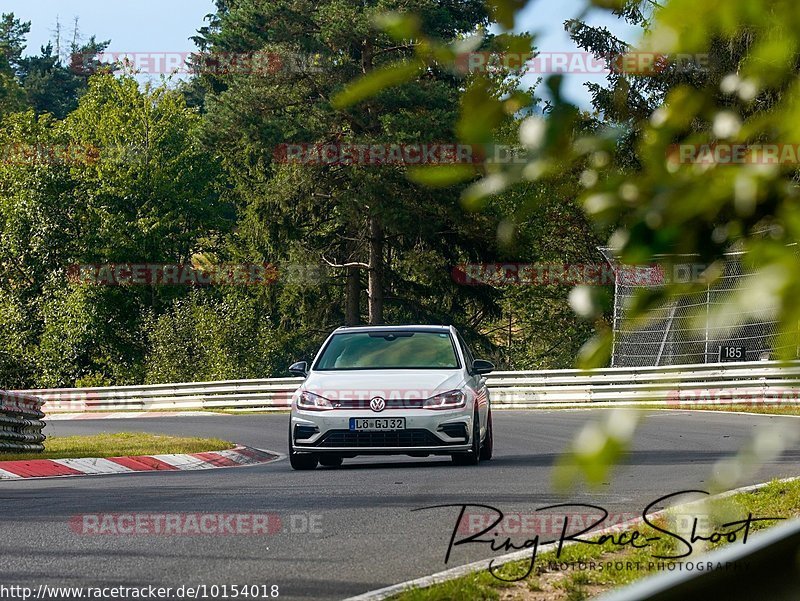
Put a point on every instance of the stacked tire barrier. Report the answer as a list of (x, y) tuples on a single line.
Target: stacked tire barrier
[(21, 423)]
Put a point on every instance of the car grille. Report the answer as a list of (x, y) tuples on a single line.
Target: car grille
[(393, 438), (365, 403)]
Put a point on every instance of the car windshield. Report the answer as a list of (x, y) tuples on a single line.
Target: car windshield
[(389, 350)]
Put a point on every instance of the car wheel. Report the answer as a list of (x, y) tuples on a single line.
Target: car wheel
[(297, 461), (303, 462), (474, 455), (330, 460), (488, 442)]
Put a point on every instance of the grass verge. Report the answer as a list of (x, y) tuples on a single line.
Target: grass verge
[(251, 412), (552, 579), (765, 409), (762, 409), (119, 445)]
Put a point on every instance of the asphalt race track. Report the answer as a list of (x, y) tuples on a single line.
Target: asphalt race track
[(344, 531)]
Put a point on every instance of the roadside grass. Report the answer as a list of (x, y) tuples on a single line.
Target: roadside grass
[(793, 409), (249, 412), (212, 410), (786, 409), (555, 579), (765, 409), (132, 411), (118, 445)]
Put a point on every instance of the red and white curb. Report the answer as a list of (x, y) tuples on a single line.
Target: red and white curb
[(125, 415), (58, 468)]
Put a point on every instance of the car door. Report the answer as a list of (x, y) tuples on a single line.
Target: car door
[(478, 383)]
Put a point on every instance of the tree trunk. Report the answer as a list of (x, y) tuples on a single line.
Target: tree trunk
[(375, 271), (352, 309)]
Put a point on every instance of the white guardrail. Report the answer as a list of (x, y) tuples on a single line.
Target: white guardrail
[(749, 383)]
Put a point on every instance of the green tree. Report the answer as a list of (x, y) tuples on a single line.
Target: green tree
[(53, 87), (44, 82), (40, 216), (12, 96), (544, 227), (12, 45), (660, 204), (153, 187), (217, 336), (367, 224), (13, 34), (124, 179)]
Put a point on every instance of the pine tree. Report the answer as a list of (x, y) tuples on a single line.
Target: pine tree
[(12, 45), (355, 219), (44, 82)]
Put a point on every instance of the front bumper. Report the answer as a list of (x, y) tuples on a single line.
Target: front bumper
[(427, 431)]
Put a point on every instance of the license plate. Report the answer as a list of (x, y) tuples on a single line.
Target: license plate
[(372, 424)]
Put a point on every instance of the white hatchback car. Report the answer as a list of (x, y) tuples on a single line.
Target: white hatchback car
[(383, 390)]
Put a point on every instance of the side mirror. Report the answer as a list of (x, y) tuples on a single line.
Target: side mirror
[(479, 366), (299, 369)]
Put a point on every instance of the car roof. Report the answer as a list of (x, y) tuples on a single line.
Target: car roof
[(415, 328)]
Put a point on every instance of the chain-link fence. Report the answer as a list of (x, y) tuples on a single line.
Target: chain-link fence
[(704, 327)]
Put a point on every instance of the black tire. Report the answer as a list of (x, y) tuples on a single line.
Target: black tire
[(474, 455), (330, 460), (303, 462), (487, 449), (300, 462)]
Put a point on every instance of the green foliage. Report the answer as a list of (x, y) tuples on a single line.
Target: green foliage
[(208, 337), (43, 83), (53, 87), (16, 368), (743, 92), (124, 179), (90, 335), (104, 170), (12, 97), (738, 87), (153, 186), (322, 215), (747, 95)]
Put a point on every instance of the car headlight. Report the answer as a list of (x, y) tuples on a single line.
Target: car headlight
[(313, 402), (447, 400)]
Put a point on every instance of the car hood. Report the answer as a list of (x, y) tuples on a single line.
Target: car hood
[(388, 384)]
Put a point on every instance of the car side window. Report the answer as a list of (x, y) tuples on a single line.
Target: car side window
[(467, 352)]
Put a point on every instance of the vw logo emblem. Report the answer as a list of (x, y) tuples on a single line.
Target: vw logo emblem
[(377, 404)]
